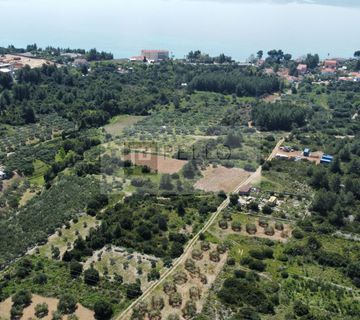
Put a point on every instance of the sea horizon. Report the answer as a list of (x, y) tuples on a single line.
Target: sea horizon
[(234, 27)]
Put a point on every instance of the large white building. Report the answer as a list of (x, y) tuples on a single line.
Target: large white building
[(155, 55)]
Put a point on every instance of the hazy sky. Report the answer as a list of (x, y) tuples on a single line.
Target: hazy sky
[(235, 27)]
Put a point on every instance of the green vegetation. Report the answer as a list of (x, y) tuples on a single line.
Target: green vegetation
[(43, 214), (58, 282), (102, 228), (152, 228)]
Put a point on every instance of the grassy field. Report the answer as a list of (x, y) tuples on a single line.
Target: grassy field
[(40, 169), (119, 123)]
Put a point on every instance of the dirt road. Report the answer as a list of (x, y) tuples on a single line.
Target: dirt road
[(275, 150)]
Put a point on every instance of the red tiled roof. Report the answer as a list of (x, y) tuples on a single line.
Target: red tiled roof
[(331, 63)]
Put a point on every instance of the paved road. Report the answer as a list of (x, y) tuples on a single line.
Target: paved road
[(252, 178)]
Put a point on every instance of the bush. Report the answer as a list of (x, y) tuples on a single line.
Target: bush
[(223, 224), (189, 311), (40, 278), (221, 248), (76, 269), (279, 226), (133, 290), (267, 209), (234, 199), (22, 298), (205, 246), (67, 304), (263, 222), (103, 310), (214, 256), (300, 309), (236, 226), (251, 228), (269, 231), (257, 265), (91, 277), (41, 310), (16, 312), (175, 300), (157, 303), (197, 254), (297, 234)]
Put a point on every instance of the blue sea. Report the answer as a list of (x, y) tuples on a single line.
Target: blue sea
[(235, 27)]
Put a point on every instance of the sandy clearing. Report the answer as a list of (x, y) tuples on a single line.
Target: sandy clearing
[(20, 61), (160, 164), (221, 178), (5, 307)]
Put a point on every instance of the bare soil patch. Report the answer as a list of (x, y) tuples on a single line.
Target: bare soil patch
[(160, 164), (20, 61), (221, 178), (29, 313), (314, 156)]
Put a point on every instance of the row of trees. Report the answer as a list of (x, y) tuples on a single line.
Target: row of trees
[(199, 57)]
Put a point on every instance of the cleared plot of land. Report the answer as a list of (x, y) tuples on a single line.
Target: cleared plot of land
[(314, 156), (221, 178), (156, 163), (119, 123), (29, 313), (33, 63)]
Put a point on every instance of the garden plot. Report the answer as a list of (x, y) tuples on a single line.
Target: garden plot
[(220, 178), (111, 261), (157, 163), (29, 312)]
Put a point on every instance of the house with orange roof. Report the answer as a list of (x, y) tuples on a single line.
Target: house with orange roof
[(302, 68), (331, 64)]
